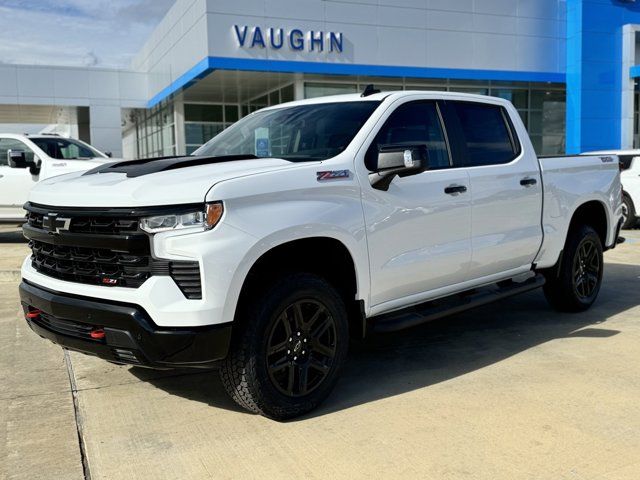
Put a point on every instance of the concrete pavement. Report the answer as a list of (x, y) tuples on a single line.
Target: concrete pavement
[(512, 390)]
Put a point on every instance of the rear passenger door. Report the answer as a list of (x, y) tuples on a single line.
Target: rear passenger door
[(506, 187)]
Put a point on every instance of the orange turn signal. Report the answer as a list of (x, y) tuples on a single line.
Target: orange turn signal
[(213, 214)]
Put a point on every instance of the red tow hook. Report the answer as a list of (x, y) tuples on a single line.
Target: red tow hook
[(98, 334), (33, 313)]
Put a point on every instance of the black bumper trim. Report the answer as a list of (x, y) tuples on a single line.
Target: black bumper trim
[(130, 334)]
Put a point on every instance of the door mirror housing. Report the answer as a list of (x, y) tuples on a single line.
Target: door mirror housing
[(400, 160), (18, 159)]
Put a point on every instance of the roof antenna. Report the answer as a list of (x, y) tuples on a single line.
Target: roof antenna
[(369, 90)]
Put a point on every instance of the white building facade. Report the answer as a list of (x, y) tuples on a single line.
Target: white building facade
[(210, 62)]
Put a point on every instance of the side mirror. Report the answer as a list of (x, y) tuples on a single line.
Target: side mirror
[(108, 154), (18, 159), (400, 160)]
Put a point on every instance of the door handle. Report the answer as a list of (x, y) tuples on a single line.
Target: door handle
[(454, 189), (528, 182)]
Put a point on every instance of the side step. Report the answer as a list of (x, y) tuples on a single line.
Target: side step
[(425, 312)]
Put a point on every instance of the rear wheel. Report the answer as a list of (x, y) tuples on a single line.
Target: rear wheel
[(628, 212), (287, 356), (575, 285)]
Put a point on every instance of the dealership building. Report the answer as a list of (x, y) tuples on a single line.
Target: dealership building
[(569, 67)]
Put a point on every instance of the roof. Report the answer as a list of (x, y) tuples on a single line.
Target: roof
[(391, 95)]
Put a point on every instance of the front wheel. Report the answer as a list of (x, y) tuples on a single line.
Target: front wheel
[(289, 350), (575, 285)]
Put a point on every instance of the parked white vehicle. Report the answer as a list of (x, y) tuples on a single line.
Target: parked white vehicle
[(308, 223), (630, 177), (28, 159)]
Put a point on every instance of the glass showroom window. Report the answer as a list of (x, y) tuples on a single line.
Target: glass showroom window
[(541, 106), (273, 97), (313, 90), (155, 132), (547, 121), (202, 122)]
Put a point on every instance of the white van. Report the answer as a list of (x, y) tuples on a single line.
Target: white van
[(27, 159)]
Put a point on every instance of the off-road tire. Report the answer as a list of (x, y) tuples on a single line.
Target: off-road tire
[(562, 284), (631, 219), (245, 373)]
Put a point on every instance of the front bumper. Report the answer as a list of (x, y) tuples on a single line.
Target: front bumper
[(129, 335)]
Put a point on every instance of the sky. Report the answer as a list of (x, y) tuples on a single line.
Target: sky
[(101, 33)]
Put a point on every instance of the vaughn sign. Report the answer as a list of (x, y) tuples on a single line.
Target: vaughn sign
[(294, 39)]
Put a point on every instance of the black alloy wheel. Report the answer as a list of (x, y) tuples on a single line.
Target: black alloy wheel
[(289, 346), (586, 269), (573, 284), (301, 347)]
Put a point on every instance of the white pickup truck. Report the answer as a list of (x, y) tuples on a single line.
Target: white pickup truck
[(308, 223), (28, 159)]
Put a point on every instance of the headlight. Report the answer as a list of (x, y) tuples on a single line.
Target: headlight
[(206, 219)]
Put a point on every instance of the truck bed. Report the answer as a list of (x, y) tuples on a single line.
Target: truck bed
[(569, 181)]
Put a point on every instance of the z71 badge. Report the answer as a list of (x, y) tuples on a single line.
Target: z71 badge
[(332, 174)]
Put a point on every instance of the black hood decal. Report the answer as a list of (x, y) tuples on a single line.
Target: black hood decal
[(147, 166)]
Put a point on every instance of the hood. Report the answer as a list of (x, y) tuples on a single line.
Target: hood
[(114, 185)]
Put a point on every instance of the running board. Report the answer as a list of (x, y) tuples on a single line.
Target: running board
[(433, 310)]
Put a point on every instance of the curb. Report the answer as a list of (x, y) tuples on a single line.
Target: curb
[(9, 275)]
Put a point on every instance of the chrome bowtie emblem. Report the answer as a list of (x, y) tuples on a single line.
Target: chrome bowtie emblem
[(54, 224)]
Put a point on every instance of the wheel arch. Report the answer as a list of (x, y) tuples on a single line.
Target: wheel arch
[(594, 214), (335, 259)]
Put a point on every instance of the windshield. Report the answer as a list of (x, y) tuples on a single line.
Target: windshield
[(65, 149), (302, 133)]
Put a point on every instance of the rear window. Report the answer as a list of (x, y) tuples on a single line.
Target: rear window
[(486, 134)]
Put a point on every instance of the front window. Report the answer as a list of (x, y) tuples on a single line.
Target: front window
[(65, 149), (302, 133), (10, 144)]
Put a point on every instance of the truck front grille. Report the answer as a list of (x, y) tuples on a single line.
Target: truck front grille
[(90, 224), (91, 265), (101, 247)]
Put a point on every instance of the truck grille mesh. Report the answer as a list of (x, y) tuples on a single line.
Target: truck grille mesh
[(90, 265), (124, 258)]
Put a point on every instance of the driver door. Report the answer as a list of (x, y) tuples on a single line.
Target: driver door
[(15, 183), (419, 230)]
